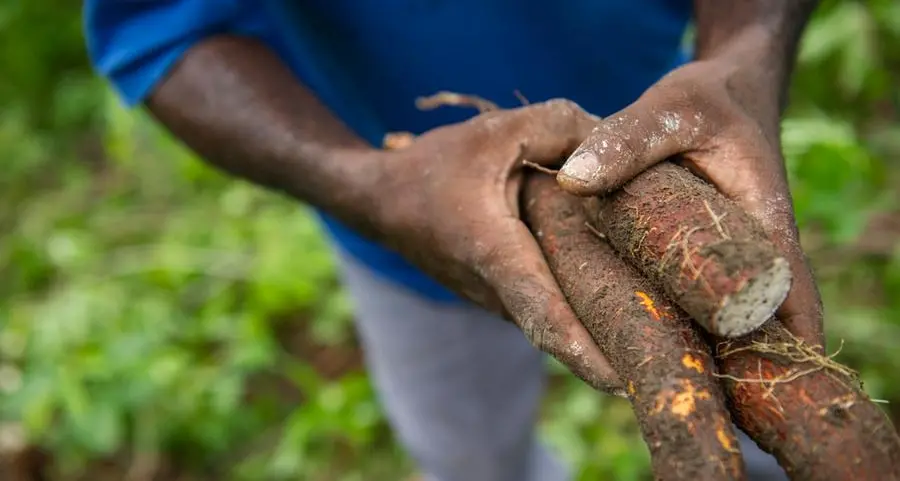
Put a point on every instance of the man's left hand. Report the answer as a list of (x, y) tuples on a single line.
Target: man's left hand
[(725, 129)]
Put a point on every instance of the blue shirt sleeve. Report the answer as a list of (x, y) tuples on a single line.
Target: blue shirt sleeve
[(135, 43)]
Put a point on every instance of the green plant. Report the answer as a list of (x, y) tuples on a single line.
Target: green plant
[(146, 299)]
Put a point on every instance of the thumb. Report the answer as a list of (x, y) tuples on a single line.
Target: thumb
[(627, 143), (533, 299)]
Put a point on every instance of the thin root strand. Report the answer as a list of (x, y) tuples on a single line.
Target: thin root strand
[(796, 351), (539, 168), (717, 221), (452, 99), (594, 231), (521, 98)]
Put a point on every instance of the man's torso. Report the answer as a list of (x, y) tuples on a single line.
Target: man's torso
[(368, 60)]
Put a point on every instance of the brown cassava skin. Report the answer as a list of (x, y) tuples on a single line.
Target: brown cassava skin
[(665, 365), (820, 426), (663, 222)]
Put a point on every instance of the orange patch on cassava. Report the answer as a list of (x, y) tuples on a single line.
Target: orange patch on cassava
[(630, 387), (723, 437), (685, 402), (648, 305), (692, 362)]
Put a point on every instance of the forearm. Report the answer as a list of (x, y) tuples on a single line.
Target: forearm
[(760, 35), (233, 102)]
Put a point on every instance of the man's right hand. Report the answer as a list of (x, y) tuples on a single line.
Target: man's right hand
[(449, 202)]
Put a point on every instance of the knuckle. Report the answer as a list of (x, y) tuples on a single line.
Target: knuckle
[(691, 94), (570, 115), (495, 254), (542, 336), (555, 109), (483, 258), (559, 117), (481, 241), (527, 304), (534, 333), (563, 105)]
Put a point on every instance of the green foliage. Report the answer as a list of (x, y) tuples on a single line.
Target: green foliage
[(842, 117), (142, 306), (146, 297), (841, 142)]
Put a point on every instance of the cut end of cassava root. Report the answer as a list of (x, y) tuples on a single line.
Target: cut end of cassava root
[(709, 256), (793, 400), (749, 308), (702, 249)]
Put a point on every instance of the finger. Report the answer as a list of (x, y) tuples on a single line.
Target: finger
[(801, 311), (627, 143), (533, 300), (765, 194), (549, 131)]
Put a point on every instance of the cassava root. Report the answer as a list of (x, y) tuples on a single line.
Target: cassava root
[(665, 365), (708, 255), (809, 411), (793, 401), (676, 245)]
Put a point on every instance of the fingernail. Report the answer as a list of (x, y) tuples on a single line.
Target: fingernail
[(582, 166)]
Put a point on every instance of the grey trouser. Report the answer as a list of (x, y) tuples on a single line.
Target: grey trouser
[(461, 387)]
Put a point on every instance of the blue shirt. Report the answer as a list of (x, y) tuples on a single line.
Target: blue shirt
[(368, 60)]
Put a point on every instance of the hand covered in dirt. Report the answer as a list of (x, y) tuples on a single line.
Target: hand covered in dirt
[(709, 118), (452, 208)]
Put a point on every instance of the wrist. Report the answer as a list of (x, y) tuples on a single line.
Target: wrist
[(358, 191), (759, 37), (751, 74), (750, 41)]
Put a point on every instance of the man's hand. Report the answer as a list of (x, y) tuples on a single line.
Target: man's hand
[(448, 201), (712, 116), (451, 205)]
